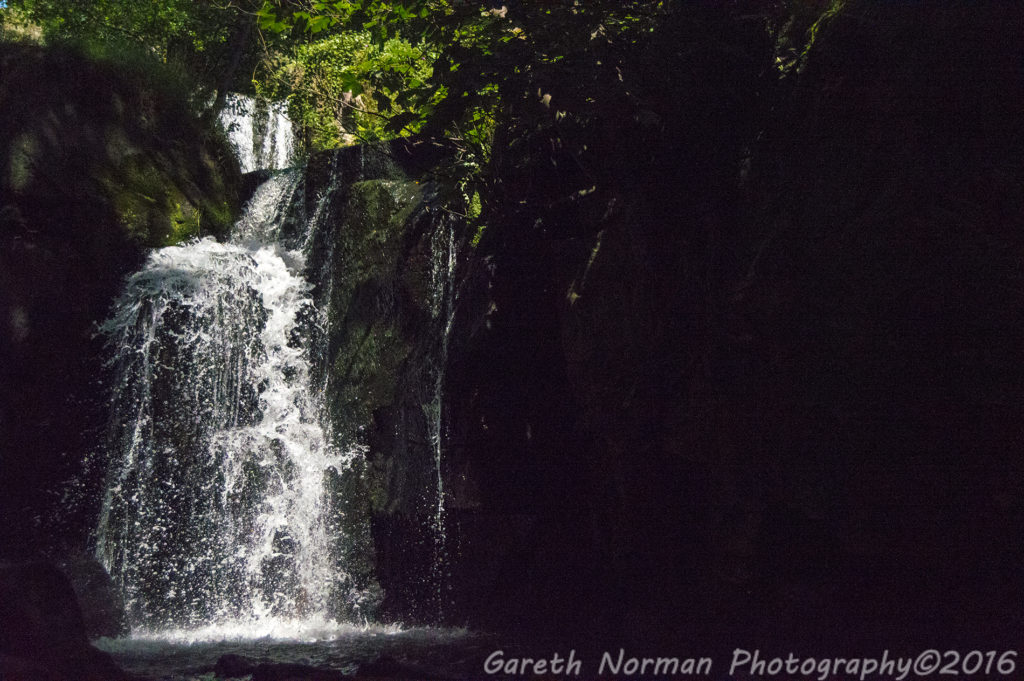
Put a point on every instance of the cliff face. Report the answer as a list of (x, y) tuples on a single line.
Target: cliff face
[(383, 260), (733, 357), (762, 379), (100, 162)]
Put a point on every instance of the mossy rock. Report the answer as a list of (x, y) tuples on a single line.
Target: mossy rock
[(94, 131), (98, 162), (368, 302)]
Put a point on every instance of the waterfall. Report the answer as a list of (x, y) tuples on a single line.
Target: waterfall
[(261, 132), (217, 504), (443, 260)]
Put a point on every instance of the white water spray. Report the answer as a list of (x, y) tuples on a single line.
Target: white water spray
[(216, 506), (261, 132), (444, 250)]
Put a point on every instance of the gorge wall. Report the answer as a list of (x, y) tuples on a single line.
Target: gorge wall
[(759, 378)]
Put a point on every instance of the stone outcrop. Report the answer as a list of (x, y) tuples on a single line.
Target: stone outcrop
[(42, 631), (102, 606), (386, 325)]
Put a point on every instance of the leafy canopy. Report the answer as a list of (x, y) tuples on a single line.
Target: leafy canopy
[(344, 88), (212, 40)]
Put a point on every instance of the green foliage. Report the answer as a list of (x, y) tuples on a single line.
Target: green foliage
[(797, 30), (209, 40), (407, 62), (345, 88), (563, 73), (550, 61), (157, 25), (15, 26)]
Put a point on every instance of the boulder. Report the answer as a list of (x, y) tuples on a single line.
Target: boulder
[(101, 604), (42, 631), (233, 666)]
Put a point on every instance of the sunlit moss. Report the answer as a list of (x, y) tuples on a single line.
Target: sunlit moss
[(23, 151)]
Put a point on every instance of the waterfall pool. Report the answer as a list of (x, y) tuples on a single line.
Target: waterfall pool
[(187, 655)]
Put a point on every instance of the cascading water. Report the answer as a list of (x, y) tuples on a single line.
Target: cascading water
[(261, 132), (444, 254), (217, 504)]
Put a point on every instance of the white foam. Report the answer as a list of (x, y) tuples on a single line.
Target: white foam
[(261, 132), (285, 630), (212, 341)]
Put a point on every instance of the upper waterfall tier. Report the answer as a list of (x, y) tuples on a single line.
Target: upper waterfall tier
[(260, 131)]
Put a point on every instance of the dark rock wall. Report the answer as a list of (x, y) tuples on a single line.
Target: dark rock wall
[(896, 259), (43, 633), (376, 283), (376, 321), (764, 378), (99, 162)]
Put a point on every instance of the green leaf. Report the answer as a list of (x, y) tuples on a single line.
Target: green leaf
[(320, 23), (397, 123)]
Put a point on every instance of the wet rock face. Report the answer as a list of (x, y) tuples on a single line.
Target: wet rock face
[(42, 631), (381, 361), (370, 300)]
